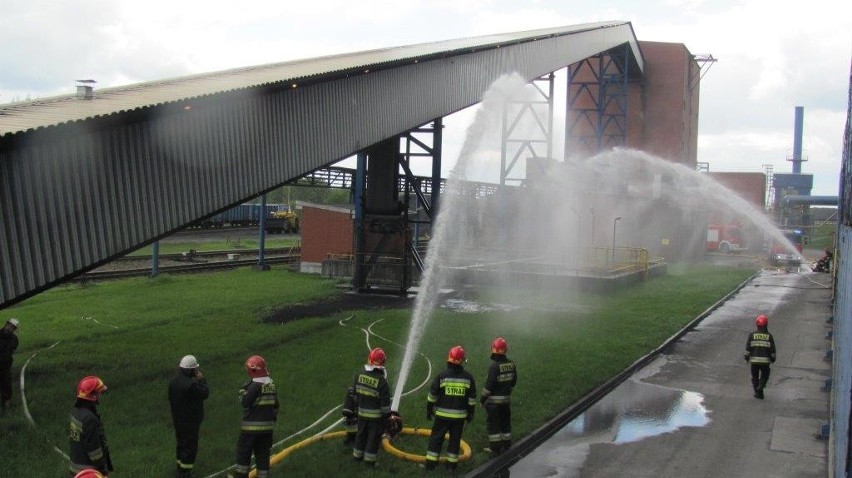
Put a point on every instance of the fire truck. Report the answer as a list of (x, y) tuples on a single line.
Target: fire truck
[(725, 238)]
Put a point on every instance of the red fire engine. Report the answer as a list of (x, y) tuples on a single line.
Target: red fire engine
[(725, 238)]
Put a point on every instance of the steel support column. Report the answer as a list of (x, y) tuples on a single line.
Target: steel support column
[(540, 110)]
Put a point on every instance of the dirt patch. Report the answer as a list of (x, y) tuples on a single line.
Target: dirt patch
[(345, 302)]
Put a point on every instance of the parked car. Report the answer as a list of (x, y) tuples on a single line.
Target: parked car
[(780, 253)]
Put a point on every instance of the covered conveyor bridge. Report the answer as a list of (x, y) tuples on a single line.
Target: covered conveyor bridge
[(90, 177)]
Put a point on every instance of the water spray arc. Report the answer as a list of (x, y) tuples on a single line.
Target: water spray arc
[(433, 277)]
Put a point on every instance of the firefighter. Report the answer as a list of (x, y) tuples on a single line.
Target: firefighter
[(259, 398), (760, 352), (350, 417), (502, 377), (372, 399), (451, 401), (187, 392), (8, 346), (88, 445)]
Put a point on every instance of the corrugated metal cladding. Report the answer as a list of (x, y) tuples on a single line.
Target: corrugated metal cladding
[(841, 389), (76, 195)]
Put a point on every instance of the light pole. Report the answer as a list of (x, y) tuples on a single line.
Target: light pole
[(614, 222), (592, 240), (579, 230)]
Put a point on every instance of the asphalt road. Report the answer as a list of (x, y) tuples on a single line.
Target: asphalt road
[(691, 413)]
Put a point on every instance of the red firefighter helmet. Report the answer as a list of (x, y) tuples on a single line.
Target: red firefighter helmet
[(90, 388), (89, 473), (376, 357), (499, 346), (456, 355), (761, 321), (256, 366)]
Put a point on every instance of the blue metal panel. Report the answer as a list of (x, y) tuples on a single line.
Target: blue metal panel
[(841, 401)]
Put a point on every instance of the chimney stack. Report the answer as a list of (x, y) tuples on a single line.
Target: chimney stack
[(85, 89)]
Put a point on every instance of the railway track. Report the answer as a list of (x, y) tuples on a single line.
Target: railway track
[(186, 268), (178, 256)]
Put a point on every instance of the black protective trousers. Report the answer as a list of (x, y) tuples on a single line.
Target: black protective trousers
[(368, 439), (441, 427), (5, 384), (498, 422), (259, 444), (187, 448), (759, 376)]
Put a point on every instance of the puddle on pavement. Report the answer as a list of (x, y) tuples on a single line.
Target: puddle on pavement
[(632, 412)]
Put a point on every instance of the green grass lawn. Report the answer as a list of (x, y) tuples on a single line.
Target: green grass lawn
[(133, 332), (823, 237)]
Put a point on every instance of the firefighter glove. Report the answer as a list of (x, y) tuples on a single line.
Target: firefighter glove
[(483, 399), (772, 359), (745, 357), (430, 411), (470, 416)]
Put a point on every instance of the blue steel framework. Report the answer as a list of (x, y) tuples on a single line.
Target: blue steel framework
[(596, 109)]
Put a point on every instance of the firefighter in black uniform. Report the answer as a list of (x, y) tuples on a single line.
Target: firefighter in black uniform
[(350, 417), (372, 398), (760, 352), (187, 392), (451, 401), (8, 346), (88, 445), (259, 398), (502, 378)]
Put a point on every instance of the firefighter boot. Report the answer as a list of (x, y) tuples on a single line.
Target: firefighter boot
[(183, 473)]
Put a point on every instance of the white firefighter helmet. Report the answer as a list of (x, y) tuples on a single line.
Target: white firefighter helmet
[(188, 361), (13, 321)]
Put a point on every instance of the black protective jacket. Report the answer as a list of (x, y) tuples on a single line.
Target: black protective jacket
[(259, 398), (760, 347), (452, 394), (372, 394), (88, 446), (502, 377), (186, 397)]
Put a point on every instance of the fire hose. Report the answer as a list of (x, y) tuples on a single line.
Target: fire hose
[(387, 446)]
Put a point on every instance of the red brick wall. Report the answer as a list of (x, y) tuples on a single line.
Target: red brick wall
[(325, 231), (670, 109), (749, 186)]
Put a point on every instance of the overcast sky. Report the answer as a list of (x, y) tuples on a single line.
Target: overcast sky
[(772, 55)]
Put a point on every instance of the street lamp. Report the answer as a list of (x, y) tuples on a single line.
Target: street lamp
[(592, 240), (614, 222), (579, 230)]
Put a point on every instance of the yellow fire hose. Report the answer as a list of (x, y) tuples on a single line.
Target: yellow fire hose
[(386, 445)]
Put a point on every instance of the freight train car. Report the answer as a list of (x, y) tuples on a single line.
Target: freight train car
[(243, 215)]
